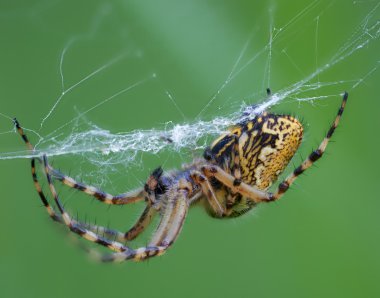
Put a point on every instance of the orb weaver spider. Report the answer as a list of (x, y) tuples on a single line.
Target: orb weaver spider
[(232, 177)]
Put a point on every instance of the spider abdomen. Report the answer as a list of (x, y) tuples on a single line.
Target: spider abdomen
[(267, 148), (264, 146)]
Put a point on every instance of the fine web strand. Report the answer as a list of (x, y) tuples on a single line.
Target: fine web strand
[(72, 87), (98, 18), (266, 77), (228, 79), (100, 104), (235, 72), (175, 104), (279, 32), (316, 46)]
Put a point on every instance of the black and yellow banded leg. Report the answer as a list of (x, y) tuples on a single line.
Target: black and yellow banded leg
[(22, 134), (124, 253), (313, 157), (125, 198), (37, 185), (41, 194), (142, 222), (121, 199), (136, 255), (77, 228), (173, 214), (236, 185), (109, 233), (100, 230), (172, 219), (132, 233), (234, 175)]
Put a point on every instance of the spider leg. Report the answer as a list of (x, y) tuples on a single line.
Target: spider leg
[(58, 218), (214, 203), (43, 198), (173, 216), (141, 224), (313, 157), (236, 172), (23, 135), (236, 185), (143, 221), (121, 199), (125, 198), (74, 226), (171, 224), (37, 185), (131, 234)]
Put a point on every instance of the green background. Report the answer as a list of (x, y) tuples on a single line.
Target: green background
[(321, 240)]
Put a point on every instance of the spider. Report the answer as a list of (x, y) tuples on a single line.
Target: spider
[(232, 177)]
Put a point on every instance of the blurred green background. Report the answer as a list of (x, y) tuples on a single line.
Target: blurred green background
[(321, 240)]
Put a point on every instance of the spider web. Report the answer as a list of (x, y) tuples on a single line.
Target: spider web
[(82, 137)]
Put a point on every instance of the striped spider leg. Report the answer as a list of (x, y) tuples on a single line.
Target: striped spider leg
[(177, 201), (142, 222), (175, 207)]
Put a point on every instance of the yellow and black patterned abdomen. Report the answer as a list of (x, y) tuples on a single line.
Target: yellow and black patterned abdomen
[(264, 146)]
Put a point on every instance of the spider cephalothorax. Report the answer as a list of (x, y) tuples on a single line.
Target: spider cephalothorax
[(233, 177)]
